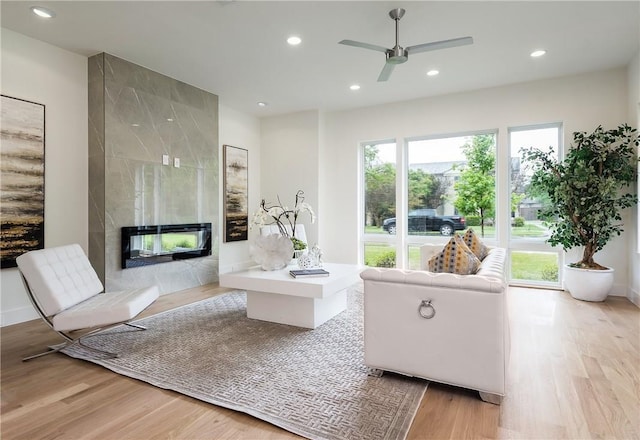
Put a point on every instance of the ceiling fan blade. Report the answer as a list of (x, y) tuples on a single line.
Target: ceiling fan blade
[(436, 45), (364, 45), (386, 72)]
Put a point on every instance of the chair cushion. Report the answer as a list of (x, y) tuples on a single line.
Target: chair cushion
[(106, 308), (476, 245), (59, 277), (456, 258)]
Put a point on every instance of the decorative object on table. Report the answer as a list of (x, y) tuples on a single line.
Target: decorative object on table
[(299, 247), (585, 191), (284, 218), (316, 255), (297, 253), (271, 252), (22, 190), (308, 273), (236, 193), (305, 261)]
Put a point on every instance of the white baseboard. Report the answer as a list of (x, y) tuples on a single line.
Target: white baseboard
[(634, 296), (618, 289), (17, 315)]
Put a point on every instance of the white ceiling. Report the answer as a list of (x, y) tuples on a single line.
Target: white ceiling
[(237, 49)]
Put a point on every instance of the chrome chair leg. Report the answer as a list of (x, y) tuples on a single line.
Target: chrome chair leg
[(56, 349), (70, 341)]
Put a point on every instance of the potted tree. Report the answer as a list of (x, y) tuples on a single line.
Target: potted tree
[(587, 192)]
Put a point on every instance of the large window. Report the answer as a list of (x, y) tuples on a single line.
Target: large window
[(451, 184), (447, 185), (532, 260), (379, 164)]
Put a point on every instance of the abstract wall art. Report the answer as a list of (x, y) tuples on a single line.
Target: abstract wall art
[(22, 178), (236, 193)]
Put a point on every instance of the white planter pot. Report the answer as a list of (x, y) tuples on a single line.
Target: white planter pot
[(588, 284)]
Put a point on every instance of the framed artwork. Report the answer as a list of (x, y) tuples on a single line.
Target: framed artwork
[(22, 178), (236, 193)]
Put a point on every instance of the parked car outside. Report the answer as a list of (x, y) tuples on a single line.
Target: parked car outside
[(426, 219)]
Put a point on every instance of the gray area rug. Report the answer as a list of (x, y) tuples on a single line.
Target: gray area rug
[(310, 382)]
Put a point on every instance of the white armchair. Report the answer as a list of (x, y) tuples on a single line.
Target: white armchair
[(68, 295)]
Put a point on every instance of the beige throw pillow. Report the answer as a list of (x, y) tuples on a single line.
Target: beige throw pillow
[(475, 244), (456, 258)]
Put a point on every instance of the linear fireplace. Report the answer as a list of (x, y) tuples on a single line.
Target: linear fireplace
[(146, 245)]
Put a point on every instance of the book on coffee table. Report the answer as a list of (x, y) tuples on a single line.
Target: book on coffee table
[(307, 273)]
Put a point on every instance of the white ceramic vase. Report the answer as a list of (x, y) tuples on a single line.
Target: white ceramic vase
[(271, 252), (588, 284)]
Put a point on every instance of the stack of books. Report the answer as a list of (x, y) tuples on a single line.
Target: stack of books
[(308, 273)]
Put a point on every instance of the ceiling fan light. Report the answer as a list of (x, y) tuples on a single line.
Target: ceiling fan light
[(42, 12), (538, 53)]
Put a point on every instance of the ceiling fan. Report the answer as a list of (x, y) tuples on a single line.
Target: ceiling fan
[(398, 55)]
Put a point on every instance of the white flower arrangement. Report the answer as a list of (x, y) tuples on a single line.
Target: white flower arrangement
[(286, 219)]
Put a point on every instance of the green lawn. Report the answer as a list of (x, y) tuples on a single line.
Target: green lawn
[(373, 253), (536, 266), (171, 241)]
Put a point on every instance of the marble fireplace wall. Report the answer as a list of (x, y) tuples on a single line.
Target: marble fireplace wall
[(135, 117)]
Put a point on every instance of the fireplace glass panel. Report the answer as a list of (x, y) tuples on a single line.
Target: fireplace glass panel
[(146, 245)]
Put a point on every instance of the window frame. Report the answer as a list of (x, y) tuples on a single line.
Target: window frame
[(521, 244)]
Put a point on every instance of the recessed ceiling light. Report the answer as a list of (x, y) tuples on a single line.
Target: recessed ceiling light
[(538, 53), (135, 125), (262, 104), (169, 119), (42, 12), (433, 72), (354, 87), (294, 41)]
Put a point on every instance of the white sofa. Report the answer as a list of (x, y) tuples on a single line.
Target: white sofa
[(465, 343)]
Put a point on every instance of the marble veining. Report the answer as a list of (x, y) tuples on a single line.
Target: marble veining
[(137, 115)]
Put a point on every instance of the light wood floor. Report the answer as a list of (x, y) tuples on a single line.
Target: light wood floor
[(574, 373)]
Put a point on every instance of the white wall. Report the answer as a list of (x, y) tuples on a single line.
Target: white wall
[(242, 131), (45, 74), (581, 103), (290, 151), (633, 74)]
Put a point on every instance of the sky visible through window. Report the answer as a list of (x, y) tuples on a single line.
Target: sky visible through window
[(448, 149), (429, 150), (541, 138)]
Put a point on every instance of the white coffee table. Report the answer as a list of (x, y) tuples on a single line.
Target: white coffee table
[(304, 302)]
